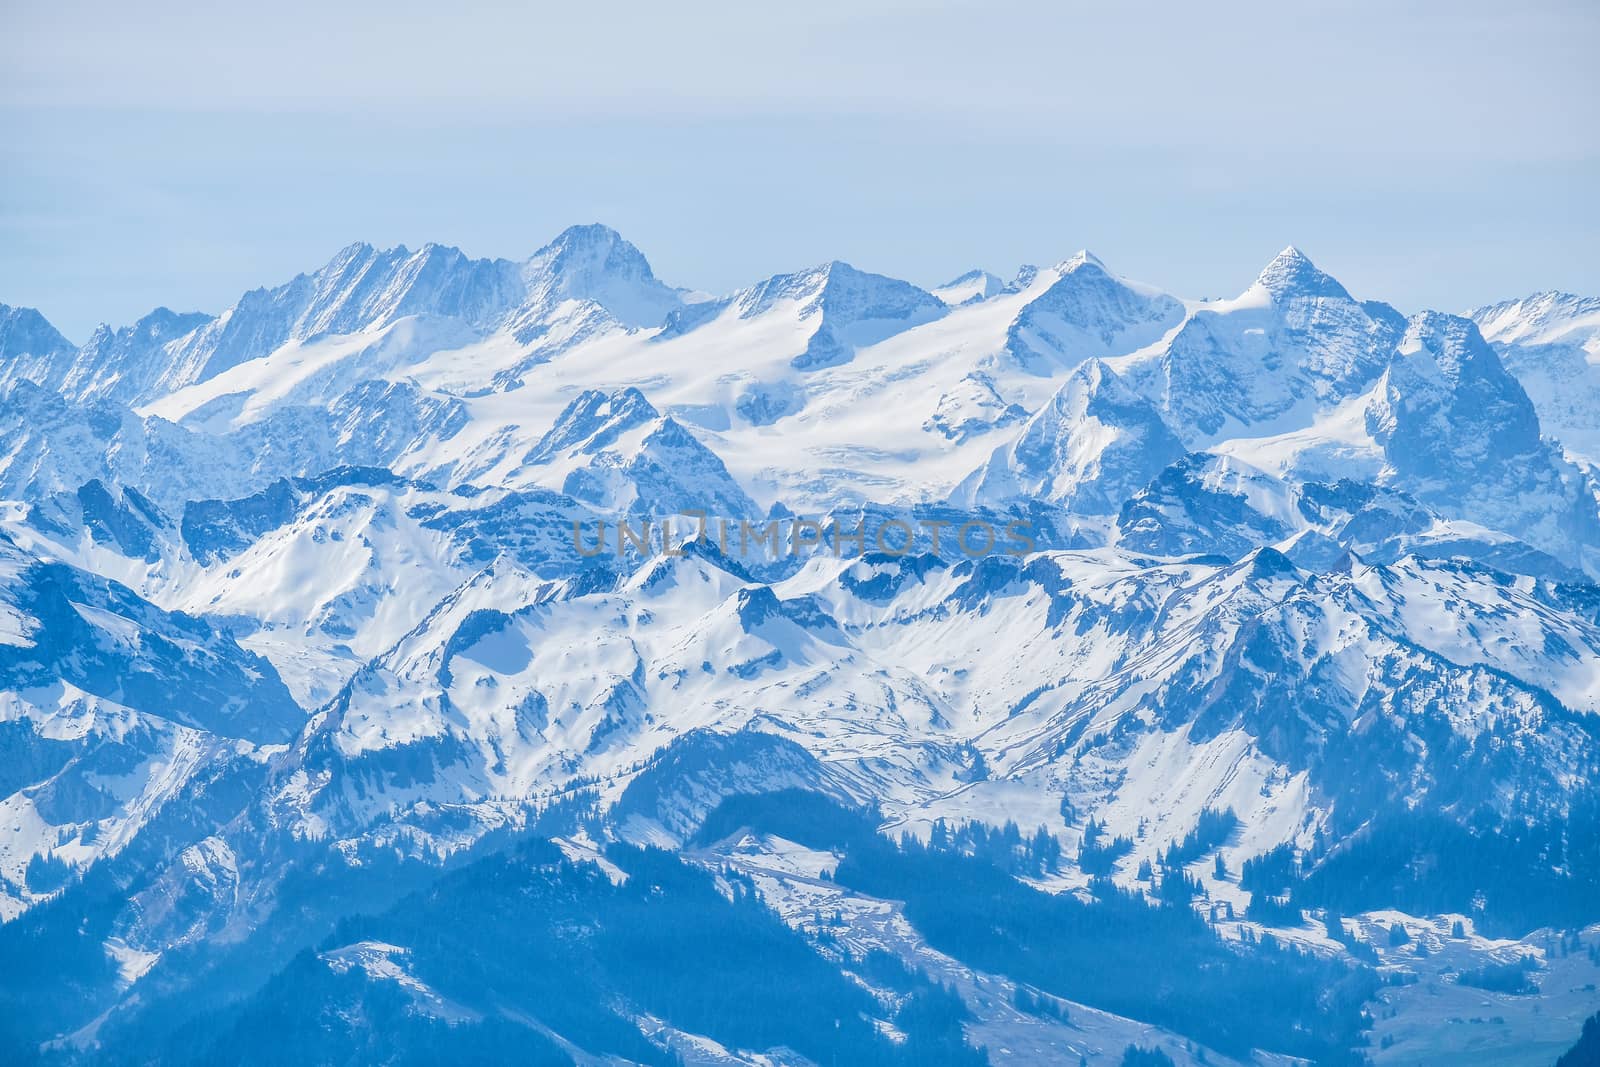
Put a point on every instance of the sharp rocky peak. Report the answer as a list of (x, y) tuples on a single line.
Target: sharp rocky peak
[(1292, 274), (976, 274), (24, 330), (592, 249), (1453, 344), (1083, 258), (1541, 318), (829, 285), (593, 420), (31, 348), (595, 263)]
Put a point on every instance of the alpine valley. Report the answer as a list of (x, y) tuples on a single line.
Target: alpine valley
[(431, 659)]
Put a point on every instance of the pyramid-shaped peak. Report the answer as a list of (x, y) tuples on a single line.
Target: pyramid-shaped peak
[(835, 286), (833, 268), (1291, 258), (834, 272), (1292, 274), (1097, 375), (1084, 258), (973, 286), (976, 274)]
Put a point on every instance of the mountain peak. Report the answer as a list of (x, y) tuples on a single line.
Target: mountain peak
[(1096, 376), (596, 263), (1462, 432), (588, 233), (119, 363), (1452, 344), (828, 275), (974, 275), (1292, 274), (1083, 258), (1087, 311), (593, 246), (971, 287), (593, 421), (1089, 449), (1541, 318), (30, 347), (163, 320), (25, 330), (854, 309), (356, 252)]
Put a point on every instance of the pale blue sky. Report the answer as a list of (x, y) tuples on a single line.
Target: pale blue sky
[(1430, 154)]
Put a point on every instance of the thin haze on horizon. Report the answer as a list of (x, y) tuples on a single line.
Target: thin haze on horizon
[(1427, 154)]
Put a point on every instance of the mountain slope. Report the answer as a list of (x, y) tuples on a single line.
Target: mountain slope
[(1094, 445), (128, 363), (838, 309), (30, 348), (109, 707), (1088, 312), (1458, 430), (1291, 345), (1551, 342)]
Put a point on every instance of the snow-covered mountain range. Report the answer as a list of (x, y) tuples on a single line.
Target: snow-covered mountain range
[(1282, 611)]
